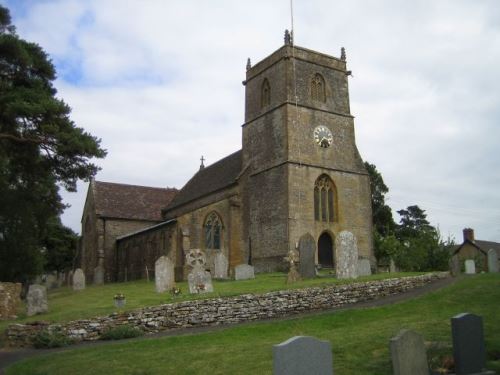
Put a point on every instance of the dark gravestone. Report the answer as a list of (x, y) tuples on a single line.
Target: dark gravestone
[(307, 251), (302, 355), (408, 354), (468, 343)]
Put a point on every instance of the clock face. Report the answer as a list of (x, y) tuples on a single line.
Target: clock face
[(323, 136)]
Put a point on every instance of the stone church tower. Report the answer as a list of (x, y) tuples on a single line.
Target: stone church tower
[(301, 170), (298, 174)]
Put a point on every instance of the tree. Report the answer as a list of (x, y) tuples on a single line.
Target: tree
[(60, 244), (40, 149), (413, 222), (383, 222)]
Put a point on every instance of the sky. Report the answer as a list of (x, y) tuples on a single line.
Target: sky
[(159, 81)]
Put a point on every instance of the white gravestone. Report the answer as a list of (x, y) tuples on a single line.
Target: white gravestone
[(220, 266), (492, 261), (164, 274), (78, 279), (470, 267), (37, 300), (347, 255), (244, 272)]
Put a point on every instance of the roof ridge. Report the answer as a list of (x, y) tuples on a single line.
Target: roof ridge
[(133, 185)]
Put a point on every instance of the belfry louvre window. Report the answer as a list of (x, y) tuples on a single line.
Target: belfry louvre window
[(213, 229), (324, 199), (265, 95), (318, 88)]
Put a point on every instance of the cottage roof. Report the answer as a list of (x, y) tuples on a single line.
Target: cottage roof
[(130, 201), (217, 176), (482, 246)]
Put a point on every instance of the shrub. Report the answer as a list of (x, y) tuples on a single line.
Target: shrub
[(121, 332), (51, 339)]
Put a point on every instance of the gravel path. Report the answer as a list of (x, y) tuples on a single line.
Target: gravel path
[(11, 355)]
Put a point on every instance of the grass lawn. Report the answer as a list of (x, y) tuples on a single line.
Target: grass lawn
[(66, 305), (359, 339)]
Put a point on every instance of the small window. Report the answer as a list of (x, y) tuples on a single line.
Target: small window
[(213, 228), (318, 91), (324, 199), (265, 97)]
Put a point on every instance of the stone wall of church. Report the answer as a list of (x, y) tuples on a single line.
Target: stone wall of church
[(136, 254), (90, 234), (353, 211)]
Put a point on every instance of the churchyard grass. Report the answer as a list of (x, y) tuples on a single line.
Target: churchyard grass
[(360, 339), (66, 304)]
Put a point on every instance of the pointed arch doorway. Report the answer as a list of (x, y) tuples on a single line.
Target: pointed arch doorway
[(325, 251)]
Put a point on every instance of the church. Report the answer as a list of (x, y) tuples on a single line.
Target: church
[(298, 172)]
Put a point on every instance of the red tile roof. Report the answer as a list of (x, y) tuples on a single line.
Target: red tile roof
[(130, 201)]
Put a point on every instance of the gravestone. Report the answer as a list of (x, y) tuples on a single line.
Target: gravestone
[(220, 266), (70, 278), (346, 266), (492, 261), (244, 272), (392, 266), (455, 265), (292, 258), (51, 281), (99, 275), (470, 267), (78, 279), (364, 267), (164, 274), (36, 300), (408, 354), (199, 280), (468, 343), (307, 250), (303, 355), (10, 299)]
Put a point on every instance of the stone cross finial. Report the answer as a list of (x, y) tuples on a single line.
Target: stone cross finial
[(288, 38), (202, 165), (249, 64), (342, 54), (196, 258)]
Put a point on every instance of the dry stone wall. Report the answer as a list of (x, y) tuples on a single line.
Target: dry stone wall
[(228, 310), (10, 299)]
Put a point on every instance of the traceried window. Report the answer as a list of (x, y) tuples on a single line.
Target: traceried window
[(213, 229), (324, 199), (265, 95), (318, 88)]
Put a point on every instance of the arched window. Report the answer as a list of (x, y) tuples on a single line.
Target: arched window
[(265, 95), (324, 199), (213, 228), (318, 88)]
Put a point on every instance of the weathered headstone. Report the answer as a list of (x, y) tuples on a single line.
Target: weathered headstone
[(470, 267), (492, 261), (468, 343), (455, 265), (392, 266), (78, 279), (408, 354), (199, 280), (220, 266), (164, 274), (292, 258), (99, 275), (346, 266), (244, 272), (364, 267), (51, 281), (10, 299), (36, 300), (303, 355), (307, 250)]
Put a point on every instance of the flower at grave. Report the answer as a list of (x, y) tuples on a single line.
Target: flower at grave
[(119, 296), (175, 291), (200, 287)]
